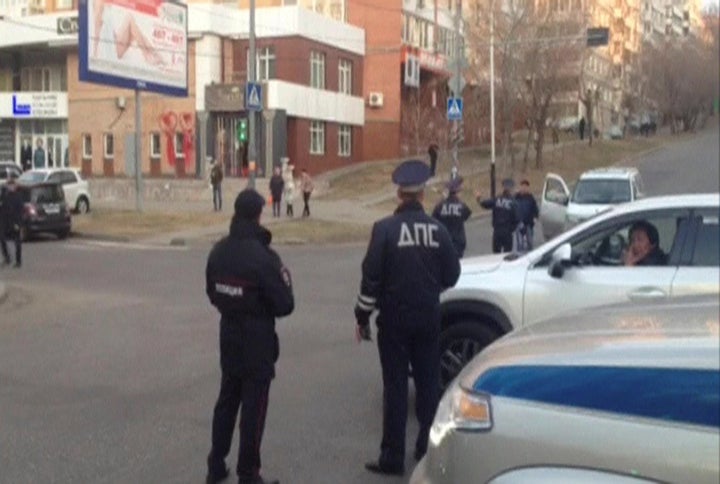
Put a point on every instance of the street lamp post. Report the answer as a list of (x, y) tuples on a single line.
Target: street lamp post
[(252, 155)]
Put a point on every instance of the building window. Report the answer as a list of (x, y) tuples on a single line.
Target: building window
[(155, 146), (63, 4), (6, 79), (86, 147), (179, 152), (317, 70), (344, 140), (108, 146), (345, 76), (264, 63), (317, 138)]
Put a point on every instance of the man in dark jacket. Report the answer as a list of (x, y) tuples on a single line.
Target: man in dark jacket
[(11, 213), (433, 154), (410, 260), (249, 285), (452, 213), (504, 217), (277, 185), (527, 212)]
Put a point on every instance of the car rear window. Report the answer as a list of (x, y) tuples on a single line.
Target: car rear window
[(688, 396), (602, 191), (47, 194), (32, 177)]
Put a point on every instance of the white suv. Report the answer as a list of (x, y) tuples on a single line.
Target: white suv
[(579, 269), (595, 191), (77, 191)]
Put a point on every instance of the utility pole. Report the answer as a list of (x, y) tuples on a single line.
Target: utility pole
[(252, 155), (457, 88), (492, 98)]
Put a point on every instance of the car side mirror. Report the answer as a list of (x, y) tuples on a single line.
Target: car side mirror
[(563, 200), (561, 259)]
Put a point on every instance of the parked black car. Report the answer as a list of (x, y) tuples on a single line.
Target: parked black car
[(45, 209)]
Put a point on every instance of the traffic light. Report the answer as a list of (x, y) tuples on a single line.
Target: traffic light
[(242, 130)]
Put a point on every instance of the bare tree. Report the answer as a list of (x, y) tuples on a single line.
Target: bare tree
[(423, 120)]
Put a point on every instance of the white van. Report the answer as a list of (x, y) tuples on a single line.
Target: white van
[(562, 208)]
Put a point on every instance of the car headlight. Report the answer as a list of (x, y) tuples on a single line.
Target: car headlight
[(460, 409)]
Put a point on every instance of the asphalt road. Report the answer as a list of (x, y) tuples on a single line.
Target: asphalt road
[(109, 362)]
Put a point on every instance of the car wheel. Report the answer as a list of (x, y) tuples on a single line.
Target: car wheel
[(459, 343), (82, 205), (62, 234)]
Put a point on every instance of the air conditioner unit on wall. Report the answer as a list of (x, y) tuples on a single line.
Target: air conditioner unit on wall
[(375, 99)]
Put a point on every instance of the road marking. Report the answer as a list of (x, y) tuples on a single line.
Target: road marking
[(102, 244)]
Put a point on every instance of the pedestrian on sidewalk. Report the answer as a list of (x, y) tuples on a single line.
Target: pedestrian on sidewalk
[(307, 187), (11, 211), (216, 179), (433, 154), (277, 184), (452, 213), (581, 128), (410, 260), (249, 285), (504, 217), (527, 213)]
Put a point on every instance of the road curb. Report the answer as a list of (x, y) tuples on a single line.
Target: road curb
[(101, 237)]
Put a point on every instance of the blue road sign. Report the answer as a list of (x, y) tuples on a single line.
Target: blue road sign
[(20, 109), (253, 96), (454, 109)]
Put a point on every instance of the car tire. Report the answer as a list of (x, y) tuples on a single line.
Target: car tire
[(82, 205), (62, 234), (459, 343)]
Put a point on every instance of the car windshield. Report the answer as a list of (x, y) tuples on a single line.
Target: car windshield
[(32, 177), (601, 191)]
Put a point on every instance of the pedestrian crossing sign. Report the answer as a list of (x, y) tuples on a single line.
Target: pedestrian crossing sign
[(253, 96), (454, 108)]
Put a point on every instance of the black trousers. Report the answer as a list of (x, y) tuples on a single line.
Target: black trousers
[(306, 201), (502, 241), (276, 206), (15, 236), (422, 350), (253, 394)]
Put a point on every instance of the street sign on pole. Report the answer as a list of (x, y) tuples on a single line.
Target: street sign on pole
[(597, 36), (454, 109), (253, 96)]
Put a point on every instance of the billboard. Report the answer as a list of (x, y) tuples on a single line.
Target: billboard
[(134, 44)]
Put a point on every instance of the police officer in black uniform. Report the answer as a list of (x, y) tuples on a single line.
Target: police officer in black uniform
[(249, 285), (504, 217), (452, 213), (11, 220), (410, 260)]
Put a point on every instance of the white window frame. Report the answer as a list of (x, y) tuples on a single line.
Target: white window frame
[(345, 73), (345, 140), (317, 137), (317, 70), (155, 147), (179, 139), (86, 146), (266, 63), (108, 155)]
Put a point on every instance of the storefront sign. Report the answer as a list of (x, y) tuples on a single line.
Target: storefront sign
[(7, 140), (68, 25), (224, 97), (31, 105)]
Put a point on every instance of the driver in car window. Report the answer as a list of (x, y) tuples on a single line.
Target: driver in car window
[(644, 247)]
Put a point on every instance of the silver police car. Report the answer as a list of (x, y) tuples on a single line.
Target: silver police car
[(625, 394)]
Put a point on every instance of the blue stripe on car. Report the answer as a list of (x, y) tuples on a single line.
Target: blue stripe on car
[(689, 396)]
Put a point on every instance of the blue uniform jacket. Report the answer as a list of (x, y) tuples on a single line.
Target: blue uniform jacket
[(410, 260), (452, 213)]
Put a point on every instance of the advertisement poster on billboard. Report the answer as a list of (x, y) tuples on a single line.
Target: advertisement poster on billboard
[(134, 44)]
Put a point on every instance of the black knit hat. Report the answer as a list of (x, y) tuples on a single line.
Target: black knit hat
[(249, 204)]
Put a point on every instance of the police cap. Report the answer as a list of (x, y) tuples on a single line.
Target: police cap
[(249, 204), (508, 183), (410, 176), (455, 184)]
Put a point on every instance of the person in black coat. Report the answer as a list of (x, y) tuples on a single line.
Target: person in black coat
[(452, 213), (277, 185), (249, 285), (433, 154), (527, 212), (410, 260), (504, 217), (11, 219)]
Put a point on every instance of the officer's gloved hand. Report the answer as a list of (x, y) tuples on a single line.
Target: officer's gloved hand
[(362, 330)]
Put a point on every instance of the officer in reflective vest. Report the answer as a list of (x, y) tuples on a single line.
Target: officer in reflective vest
[(452, 213), (410, 260)]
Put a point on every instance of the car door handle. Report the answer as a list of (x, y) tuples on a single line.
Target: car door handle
[(647, 293)]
